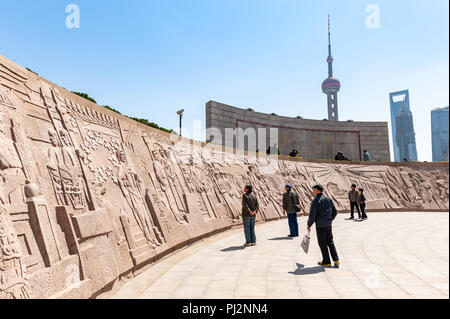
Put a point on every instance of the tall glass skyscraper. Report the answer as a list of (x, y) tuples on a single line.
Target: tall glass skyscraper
[(403, 135), (439, 134)]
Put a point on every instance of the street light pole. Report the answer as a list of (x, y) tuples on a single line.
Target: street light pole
[(180, 113)]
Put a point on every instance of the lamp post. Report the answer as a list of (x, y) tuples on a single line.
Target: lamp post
[(180, 113)]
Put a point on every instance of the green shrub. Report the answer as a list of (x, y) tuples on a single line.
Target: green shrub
[(31, 71), (86, 96)]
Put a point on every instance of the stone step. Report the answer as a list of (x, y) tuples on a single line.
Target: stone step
[(138, 259), (141, 249), (141, 242), (138, 236)]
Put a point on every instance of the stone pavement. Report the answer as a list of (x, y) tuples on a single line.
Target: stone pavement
[(391, 255)]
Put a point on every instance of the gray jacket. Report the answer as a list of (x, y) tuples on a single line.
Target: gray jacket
[(290, 199), (353, 196)]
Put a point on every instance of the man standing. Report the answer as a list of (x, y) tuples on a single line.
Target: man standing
[(322, 213), (366, 156), (290, 201), (362, 203), (353, 197), (249, 209)]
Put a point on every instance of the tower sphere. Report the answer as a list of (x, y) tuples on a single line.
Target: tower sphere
[(331, 85)]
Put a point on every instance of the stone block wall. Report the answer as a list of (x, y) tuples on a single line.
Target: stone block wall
[(312, 138)]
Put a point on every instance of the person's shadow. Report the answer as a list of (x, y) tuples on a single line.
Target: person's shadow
[(282, 238), (233, 248), (301, 270)]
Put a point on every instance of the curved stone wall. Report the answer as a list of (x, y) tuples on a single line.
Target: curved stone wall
[(88, 197), (311, 138)]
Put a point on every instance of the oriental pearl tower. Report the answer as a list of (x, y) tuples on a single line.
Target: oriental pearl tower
[(331, 85)]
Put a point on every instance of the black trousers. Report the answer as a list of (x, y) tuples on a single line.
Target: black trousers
[(325, 238), (363, 210), (352, 209)]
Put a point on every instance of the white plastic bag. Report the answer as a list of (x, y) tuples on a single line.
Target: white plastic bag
[(305, 243)]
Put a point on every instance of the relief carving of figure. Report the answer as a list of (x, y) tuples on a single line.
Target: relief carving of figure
[(10, 164), (225, 190), (64, 171), (130, 184), (54, 157), (13, 281), (167, 181), (70, 172)]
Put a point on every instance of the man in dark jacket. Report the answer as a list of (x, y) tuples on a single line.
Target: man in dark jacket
[(353, 197), (290, 201), (250, 207), (322, 213), (362, 203)]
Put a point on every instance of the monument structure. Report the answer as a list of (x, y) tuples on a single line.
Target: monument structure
[(89, 197), (331, 85), (311, 138)]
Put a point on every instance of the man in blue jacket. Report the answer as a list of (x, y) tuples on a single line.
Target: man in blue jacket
[(322, 213)]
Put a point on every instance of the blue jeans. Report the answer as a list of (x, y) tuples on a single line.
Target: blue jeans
[(249, 230), (293, 223)]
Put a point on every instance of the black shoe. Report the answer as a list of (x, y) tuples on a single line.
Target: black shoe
[(351, 218), (291, 236)]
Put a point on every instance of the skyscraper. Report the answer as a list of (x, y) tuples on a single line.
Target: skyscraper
[(331, 85), (439, 134), (403, 135)]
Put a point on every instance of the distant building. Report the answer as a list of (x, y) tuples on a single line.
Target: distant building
[(439, 134), (403, 135)]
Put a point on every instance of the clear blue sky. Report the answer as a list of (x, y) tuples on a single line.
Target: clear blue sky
[(150, 58)]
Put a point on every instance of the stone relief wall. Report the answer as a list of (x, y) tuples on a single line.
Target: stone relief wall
[(88, 196)]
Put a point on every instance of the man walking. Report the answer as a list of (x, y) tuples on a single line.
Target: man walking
[(249, 209), (290, 201), (322, 213), (353, 197)]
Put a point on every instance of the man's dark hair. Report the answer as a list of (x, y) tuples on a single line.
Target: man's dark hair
[(361, 190), (354, 185), (318, 187), (249, 188)]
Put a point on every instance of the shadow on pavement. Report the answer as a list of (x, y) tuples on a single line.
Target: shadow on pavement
[(233, 248), (301, 270), (282, 238)]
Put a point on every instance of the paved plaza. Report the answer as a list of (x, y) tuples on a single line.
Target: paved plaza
[(391, 255)]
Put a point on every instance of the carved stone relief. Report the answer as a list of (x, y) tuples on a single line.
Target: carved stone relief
[(80, 187)]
